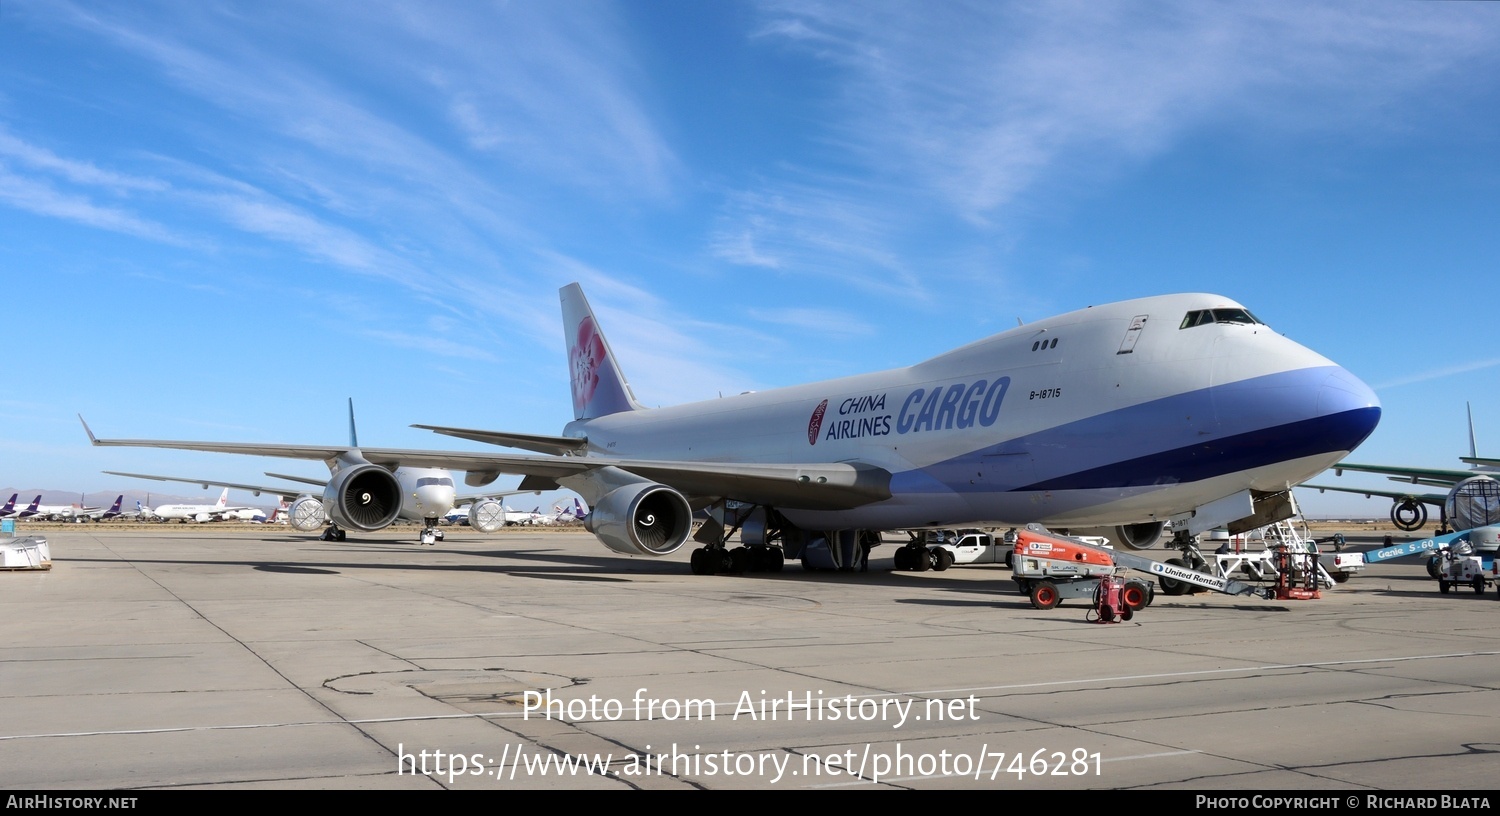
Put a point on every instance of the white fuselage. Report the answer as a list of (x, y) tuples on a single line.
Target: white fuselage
[(1108, 415), (426, 493)]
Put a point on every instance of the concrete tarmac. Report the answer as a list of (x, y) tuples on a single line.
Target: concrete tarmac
[(220, 657)]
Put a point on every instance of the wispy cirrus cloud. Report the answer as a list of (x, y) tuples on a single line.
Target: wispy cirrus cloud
[(1438, 373), (977, 103), (989, 113), (41, 197)]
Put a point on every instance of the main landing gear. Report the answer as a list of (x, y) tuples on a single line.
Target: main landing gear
[(718, 558), (332, 533), (760, 554)]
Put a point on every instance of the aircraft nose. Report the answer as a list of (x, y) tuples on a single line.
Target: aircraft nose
[(434, 499), (1350, 405)]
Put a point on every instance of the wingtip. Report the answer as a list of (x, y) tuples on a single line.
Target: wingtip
[(93, 440)]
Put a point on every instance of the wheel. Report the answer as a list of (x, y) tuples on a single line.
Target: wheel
[(1341, 577), (1479, 585), (1044, 595), (701, 562), (1443, 587), (1172, 586), (941, 559), (1135, 595), (338, 535), (902, 558), (438, 534), (739, 560), (1010, 558), (1435, 565), (921, 560), (774, 559)]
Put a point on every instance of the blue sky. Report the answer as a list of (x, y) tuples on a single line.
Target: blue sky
[(220, 220)]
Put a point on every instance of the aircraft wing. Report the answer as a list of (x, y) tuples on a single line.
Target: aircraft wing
[(558, 445), (1428, 476), (811, 486), (498, 494), (1426, 498), (287, 493), (1481, 461)]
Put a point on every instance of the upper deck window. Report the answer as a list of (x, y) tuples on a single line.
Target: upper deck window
[(1203, 317)]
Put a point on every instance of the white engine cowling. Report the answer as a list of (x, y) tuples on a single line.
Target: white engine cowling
[(1141, 536), (487, 516), (306, 514), (363, 497), (642, 519)]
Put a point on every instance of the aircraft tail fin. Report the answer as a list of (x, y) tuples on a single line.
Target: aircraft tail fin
[(599, 389), (353, 437), (114, 509), (223, 499), (1473, 449), (10, 505)]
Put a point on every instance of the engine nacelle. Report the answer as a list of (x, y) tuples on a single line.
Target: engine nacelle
[(1141, 536), (363, 497), (1473, 502), (642, 519), (306, 514), (487, 516)]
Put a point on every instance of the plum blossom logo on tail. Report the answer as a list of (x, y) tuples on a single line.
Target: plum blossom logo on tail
[(584, 359), (816, 423)]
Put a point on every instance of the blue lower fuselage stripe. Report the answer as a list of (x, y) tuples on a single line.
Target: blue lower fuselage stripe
[(1310, 437), (1184, 438)]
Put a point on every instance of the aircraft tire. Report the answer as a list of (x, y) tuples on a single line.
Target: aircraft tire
[(739, 560), (900, 559), (700, 562), (1171, 586), (941, 559), (921, 560), (1044, 595), (774, 559)]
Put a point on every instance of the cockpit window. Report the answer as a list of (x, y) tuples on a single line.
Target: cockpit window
[(432, 480), (1203, 317)]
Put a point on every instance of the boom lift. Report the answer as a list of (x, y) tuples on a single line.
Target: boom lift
[(1050, 568)]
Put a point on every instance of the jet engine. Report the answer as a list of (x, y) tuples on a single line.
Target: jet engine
[(1473, 502), (642, 519), (363, 497), (306, 514), (487, 516), (1141, 536)]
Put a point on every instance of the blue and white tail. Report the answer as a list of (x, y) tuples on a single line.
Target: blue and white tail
[(599, 389)]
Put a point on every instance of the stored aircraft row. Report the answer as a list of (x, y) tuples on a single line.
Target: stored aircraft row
[(1179, 407), (58, 512)]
